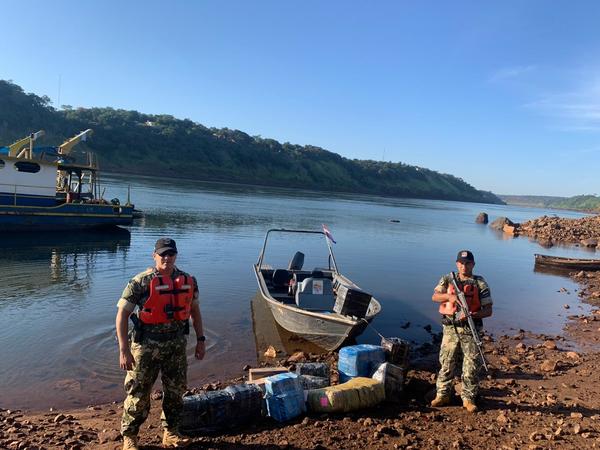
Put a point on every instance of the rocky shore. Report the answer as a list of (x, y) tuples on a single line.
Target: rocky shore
[(541, 392), (550, 230)]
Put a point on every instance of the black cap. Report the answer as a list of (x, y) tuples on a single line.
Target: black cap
[(465, 256), (164, 245)]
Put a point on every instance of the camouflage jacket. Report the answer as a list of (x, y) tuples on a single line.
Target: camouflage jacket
[(137, 292)]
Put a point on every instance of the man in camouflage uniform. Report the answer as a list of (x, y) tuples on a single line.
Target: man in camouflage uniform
[(156, 347), (457, 334)]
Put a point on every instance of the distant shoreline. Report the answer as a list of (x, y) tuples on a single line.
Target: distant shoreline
[(292, 188)]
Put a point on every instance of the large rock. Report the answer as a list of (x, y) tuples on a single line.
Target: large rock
[(591, 242), (481, 218), (499, 223)]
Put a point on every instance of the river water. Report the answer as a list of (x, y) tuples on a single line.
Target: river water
[(59, 291)]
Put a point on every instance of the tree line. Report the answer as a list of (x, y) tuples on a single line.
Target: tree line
[(148, 144)]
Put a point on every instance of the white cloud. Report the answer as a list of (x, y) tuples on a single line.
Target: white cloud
[(578, 110), (507, 73)]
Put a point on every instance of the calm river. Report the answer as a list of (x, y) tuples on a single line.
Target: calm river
[(58, 293)]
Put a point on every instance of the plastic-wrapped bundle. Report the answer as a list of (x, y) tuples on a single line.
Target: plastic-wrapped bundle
[(214, 410), (392, 377), (207, 411), (309, 382), (248, 399), (359, 361), (284, 396), (353, 395), (317, 369), (396, 350)]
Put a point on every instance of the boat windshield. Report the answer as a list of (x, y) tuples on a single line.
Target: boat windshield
[(281, 246)]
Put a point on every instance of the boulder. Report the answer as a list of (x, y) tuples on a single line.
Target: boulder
[(481, 218), (499, 223), (591, 242)]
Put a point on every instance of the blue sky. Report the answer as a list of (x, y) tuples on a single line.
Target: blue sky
[(505, 95)]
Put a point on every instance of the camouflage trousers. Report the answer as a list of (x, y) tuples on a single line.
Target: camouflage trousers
[(152, 357), (455, 340)]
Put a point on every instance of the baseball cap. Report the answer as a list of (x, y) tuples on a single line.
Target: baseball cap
[(165, 244), (465, 256)]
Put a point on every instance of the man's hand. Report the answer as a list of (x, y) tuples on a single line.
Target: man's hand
[(200, 350), (126, 360)]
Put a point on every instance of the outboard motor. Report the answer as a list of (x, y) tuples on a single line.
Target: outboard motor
[(297, 261)]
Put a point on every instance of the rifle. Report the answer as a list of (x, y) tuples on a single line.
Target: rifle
[(464, 306)]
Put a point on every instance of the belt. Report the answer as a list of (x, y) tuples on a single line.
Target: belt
[(163, 337), (460, 323)]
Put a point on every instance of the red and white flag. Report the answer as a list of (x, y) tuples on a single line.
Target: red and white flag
[(328, 234)]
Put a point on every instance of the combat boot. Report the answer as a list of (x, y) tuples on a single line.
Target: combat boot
[(470, 406), (130, 443), (440, 400), (174, 439)]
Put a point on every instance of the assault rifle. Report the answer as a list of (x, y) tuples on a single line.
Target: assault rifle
[(464, 307)]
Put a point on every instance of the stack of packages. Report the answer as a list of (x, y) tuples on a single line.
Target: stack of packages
[(216, 410), (313, 375), (284, 396), (392, 373), (355, 365)]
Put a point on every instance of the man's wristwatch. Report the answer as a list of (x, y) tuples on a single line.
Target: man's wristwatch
[(201, 338)]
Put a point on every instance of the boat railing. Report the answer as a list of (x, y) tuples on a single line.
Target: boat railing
[(288, 230)]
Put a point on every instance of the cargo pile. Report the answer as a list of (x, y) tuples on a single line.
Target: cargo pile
[(369, 374)]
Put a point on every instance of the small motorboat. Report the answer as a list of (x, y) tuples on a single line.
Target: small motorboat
[(559, 262), (320, 305)]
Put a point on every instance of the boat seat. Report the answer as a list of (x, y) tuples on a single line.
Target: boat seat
[(315, 294), (281, 278), (297, 261)]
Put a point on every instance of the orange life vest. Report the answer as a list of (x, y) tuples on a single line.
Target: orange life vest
[(169, 300), (471, 292)]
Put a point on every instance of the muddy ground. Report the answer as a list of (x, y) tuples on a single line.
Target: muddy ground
[(540, 393)]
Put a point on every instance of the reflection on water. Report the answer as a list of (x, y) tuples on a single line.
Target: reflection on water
[(59, 291)]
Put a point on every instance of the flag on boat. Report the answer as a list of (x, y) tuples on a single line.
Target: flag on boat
[(328, 234)]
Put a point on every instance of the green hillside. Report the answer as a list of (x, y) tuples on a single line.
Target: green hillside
[(590, 203), (133, 142)]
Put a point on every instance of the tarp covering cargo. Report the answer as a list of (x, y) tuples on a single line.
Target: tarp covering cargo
[(214, 410), (284, 396), (353, 395), (359, 361)]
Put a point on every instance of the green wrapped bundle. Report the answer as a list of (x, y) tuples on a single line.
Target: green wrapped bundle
[(358, 393)]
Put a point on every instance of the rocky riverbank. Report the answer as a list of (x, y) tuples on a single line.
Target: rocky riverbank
[(541, 392), (549, 231)]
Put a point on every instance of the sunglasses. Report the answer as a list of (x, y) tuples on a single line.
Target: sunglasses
[(168, 253)]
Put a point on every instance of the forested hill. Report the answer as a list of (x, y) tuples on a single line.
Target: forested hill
[(588, 203), (133, 142)]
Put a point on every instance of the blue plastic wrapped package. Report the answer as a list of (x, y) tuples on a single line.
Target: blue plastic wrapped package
[(359, 361), (282, 383), (284, 396)]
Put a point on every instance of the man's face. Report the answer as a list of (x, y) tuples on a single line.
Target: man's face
[(465, 268), (165, 261)]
